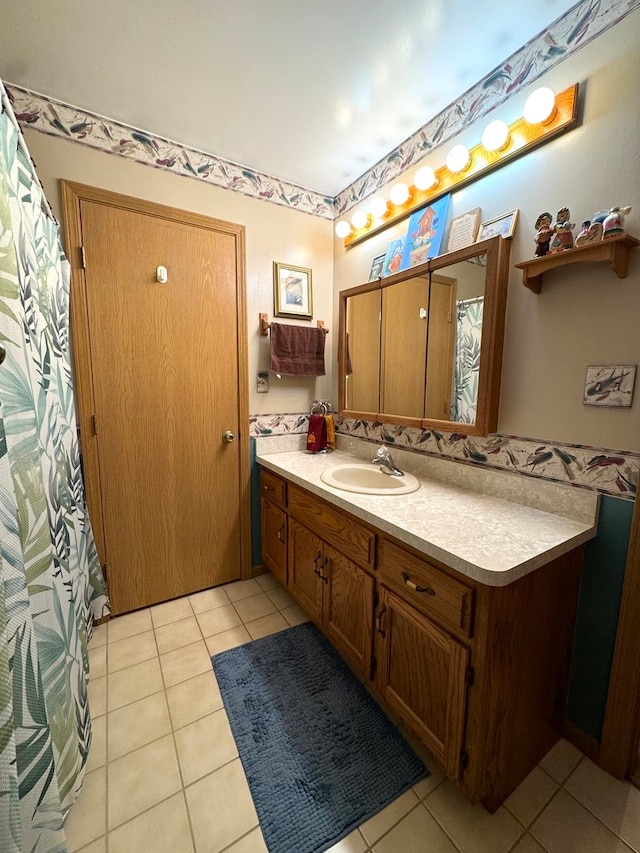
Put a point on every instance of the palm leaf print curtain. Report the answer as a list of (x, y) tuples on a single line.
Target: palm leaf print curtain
[(51, 586), (467, 361)]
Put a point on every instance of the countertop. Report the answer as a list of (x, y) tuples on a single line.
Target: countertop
[(485, 537)]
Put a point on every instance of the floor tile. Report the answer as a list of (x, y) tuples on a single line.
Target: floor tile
[(98, 635), (615, 802), (142, 779), (204, 746), (415, 833), (531, 796), (209, 599), (280, 598), (97, 692), (353, 843), (184, 663), (221, 808), (379, 824), (267, 581), (471, 827), (97, 846), (254, 607), (171, 611), (242, 589), (227, 640), (295, 615), (134, 682), (98, 749), (163, 829), (216, 621), (561, 760), (251, 843), (124, 653), (527, 844), (121, 627), (565, 826), (97, 662), (270, 624), (86, 820), (192, 699), (137, 724), (177, 634)]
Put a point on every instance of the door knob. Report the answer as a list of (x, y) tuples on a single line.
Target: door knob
[(228, 436)]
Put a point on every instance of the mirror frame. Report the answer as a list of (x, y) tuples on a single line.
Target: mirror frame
[(498, 250)]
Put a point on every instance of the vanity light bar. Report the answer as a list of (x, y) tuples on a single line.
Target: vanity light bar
[(522, 137)]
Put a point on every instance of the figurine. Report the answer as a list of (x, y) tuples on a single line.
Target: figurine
[(614, 223), (591, 233), (562, 232), (543, 235)]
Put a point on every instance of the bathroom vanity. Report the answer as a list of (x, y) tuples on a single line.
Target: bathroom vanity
[(454, 604)]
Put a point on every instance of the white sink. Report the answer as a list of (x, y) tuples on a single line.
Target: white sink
[(367, 479)]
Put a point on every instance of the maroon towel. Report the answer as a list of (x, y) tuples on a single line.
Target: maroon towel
[(317, 434), (297, 350)]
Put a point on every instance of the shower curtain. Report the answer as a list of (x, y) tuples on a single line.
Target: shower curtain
[(467, 359), (51, 586)]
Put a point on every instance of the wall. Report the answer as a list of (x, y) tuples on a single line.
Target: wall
[(585, 315), (273, 233)]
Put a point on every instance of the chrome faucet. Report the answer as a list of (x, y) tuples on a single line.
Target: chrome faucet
[(384, 460)]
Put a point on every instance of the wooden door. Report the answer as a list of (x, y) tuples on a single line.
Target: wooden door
[(306, 554), (274, 540), (348, 609), (161, 377), (421, 675)]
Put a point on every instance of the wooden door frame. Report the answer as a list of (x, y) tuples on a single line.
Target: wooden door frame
[(72, 194), (618, 753)]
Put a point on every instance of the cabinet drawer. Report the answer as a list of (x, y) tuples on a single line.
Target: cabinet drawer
[(273, 488), (334, 526), (430, 590)]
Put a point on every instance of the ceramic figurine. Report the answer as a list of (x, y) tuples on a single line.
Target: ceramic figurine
[(590, 233), (613, 225), (562, 232), (544, 233)]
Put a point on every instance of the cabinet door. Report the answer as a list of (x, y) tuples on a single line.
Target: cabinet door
[(348, 609), (422, 676), (306, 554), (274, 540)]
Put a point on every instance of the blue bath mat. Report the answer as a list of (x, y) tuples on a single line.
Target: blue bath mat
[(319, 754)]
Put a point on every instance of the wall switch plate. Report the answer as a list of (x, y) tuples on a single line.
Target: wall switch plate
[(262, 382)]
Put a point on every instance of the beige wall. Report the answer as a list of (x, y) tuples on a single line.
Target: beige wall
[(585, 314), (273, 233)]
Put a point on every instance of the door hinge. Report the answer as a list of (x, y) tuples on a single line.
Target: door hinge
[(464, 759), (374, 663), (83, 257), (469, 675), (104, 571), (94, 424)]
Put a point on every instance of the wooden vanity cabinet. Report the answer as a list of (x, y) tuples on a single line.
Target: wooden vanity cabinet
[(273, 524)]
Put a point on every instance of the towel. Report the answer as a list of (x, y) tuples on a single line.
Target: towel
[(331, 431), (317, 434), (297, 350)]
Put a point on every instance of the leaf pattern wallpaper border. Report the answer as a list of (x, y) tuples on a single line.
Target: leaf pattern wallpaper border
[(579, 26), (610, 472)]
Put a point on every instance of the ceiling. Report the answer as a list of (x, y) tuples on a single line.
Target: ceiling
[(313, 93)]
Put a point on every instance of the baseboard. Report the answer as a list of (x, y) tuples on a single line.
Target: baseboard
[(581, 740), (256, 571)]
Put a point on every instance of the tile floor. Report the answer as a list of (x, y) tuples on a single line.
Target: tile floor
[(164, 774)]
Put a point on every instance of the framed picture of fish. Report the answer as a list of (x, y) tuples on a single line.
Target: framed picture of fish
[(609, 385)]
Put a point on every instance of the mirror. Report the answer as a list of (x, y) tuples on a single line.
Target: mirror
[(424, 347)]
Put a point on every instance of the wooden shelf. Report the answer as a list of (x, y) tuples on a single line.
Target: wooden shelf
[(615, 250)]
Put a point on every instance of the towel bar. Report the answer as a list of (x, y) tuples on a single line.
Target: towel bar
[(264, 324)]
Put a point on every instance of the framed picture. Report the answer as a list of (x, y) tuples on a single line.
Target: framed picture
[(463, 230), (502, 226), (393, 257), (377, 267), (292, 291), (609, 385), (424, 233)]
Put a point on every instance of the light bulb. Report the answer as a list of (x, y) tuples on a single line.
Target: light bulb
[(495, 136), (378, 206), (425, 178), (360, 219), (399, 193), (458, 158), (343, 229), (540, 106)]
